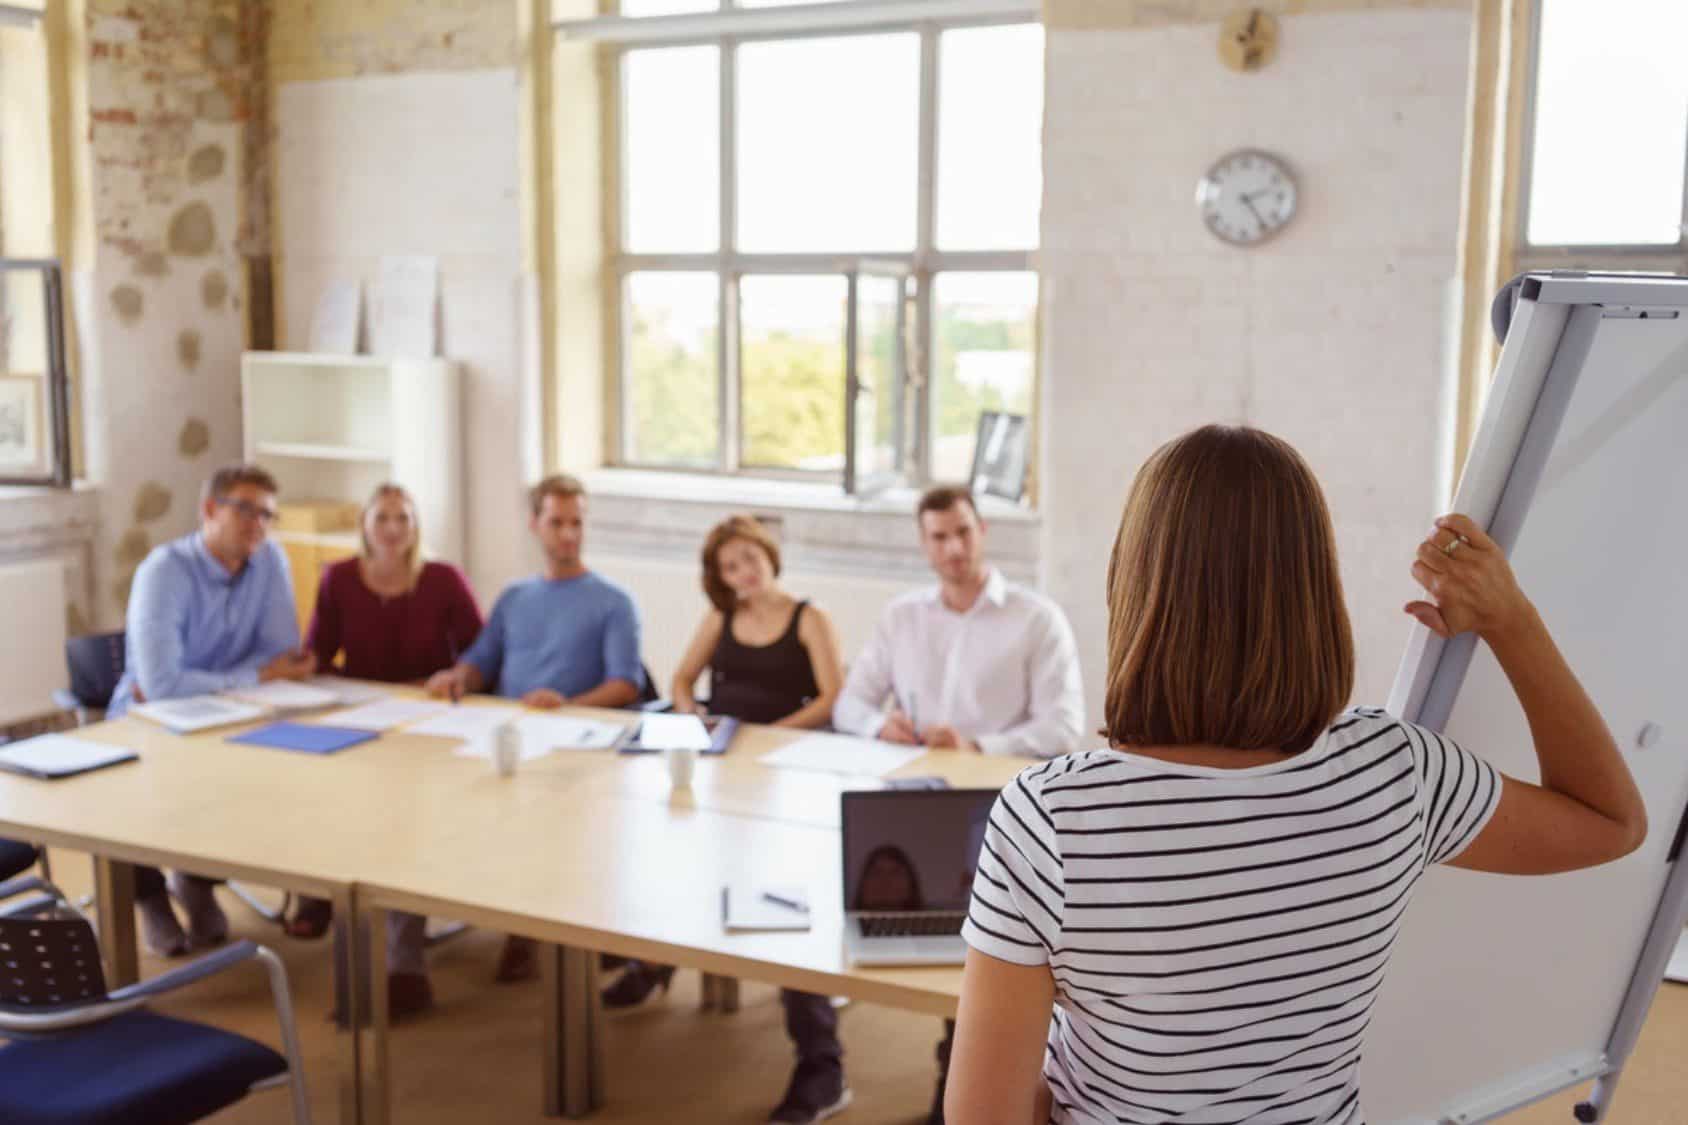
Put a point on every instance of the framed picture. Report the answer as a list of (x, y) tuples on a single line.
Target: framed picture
[(999, 455), (21, 425)]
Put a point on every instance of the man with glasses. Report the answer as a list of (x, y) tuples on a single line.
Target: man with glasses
[(210, 611)]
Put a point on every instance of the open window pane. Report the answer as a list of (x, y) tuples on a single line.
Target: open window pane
[(791, 360), (985, 350), (828, 135), (1611, 120), (879, 394), (672, 417), (673, 149), (990, 138)]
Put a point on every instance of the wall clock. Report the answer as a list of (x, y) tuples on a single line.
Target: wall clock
[(1246, 197)]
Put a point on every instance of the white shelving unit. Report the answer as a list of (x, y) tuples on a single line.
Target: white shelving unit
[(332, 427)]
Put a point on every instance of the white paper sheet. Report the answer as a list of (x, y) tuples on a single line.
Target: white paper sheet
[(464, 722), (673, 732), (349, 692), (197, 712), (403, 323), (837, 753), (385, 714), (334, 321), (50, 755), (285, 695), (541, 734)]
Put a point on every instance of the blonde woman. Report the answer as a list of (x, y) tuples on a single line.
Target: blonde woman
[(1192, 923), (390, 615)]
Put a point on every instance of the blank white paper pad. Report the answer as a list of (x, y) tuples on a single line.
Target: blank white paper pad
[(837, 753), (673, 732)]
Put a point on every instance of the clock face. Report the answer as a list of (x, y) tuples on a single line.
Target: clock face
[(1247, 197)]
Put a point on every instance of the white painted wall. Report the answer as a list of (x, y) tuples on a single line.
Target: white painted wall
[(1328, 336), (421, 164)]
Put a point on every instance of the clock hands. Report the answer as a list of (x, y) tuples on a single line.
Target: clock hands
[(1248, 201)]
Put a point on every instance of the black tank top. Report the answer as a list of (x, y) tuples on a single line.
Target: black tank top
[(761, 683)]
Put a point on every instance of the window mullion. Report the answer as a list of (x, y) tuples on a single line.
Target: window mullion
[(920, 368), (727, 335)]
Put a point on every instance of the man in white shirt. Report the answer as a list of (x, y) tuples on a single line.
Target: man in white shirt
[(977, 664)]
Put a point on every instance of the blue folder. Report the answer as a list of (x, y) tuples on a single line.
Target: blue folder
[(306, 737)]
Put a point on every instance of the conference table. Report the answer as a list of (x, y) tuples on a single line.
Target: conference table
[(586, 852)]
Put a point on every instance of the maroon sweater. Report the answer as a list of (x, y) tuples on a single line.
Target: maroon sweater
[(395, 640)]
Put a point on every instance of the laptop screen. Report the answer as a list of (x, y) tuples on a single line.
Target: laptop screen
[(912, 849)]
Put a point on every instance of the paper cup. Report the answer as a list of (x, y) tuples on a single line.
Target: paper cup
[(682, 763)]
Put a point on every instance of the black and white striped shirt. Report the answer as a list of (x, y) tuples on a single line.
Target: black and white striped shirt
[(1218, 936)]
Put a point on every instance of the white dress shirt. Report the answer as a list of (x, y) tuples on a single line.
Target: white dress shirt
[(1004, 674)]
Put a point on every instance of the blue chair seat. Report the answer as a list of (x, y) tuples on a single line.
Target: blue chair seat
[(15, 856), (139, 1068)]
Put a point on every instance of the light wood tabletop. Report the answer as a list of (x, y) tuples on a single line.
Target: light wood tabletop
[(583, 850)]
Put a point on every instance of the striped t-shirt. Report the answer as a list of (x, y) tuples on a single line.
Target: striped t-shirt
[(1218, 936)]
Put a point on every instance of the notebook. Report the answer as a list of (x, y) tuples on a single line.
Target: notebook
[(197, 712), (285, 695), (748, 907), (59, 755), (308, 738)]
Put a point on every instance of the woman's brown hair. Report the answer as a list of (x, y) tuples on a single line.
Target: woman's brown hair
[(1226, 622), (721, 595)]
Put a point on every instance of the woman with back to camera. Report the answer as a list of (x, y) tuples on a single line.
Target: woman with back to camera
[(771, 658), (1208, 905)]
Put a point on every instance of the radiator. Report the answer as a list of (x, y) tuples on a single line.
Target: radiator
[(32, 632)]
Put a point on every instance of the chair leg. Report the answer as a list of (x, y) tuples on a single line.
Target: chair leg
[(267, 913), (289, 1034), (45, 864)]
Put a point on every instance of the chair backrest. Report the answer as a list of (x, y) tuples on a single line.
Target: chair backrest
[(96, 664), (49, 963), (647, 690)]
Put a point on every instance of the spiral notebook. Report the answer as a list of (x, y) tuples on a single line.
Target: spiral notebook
[(59, 755)]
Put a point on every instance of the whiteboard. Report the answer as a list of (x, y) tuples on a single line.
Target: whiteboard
[(1504, 989)]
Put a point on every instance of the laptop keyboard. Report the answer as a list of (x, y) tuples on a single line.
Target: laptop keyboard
[(911, 925)]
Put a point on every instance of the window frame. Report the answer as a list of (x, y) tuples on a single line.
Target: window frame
[(55, 413), (1580, 255), (929, 20)]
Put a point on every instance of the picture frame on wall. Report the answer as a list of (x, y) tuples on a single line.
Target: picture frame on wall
[(21, 422), (999, 455)]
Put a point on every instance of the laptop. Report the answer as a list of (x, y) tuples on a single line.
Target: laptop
[(909, 859)]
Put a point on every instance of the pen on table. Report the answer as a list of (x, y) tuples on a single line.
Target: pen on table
[(788, 903)]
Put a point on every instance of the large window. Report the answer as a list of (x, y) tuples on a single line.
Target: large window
[(1608, 135), (824, 234)]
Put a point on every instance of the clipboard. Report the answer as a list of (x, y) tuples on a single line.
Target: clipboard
[(721, 729)]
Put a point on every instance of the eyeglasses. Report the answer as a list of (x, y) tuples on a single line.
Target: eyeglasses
[(248, 510)]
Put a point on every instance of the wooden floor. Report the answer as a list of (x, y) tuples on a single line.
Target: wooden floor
[(475, 1057)]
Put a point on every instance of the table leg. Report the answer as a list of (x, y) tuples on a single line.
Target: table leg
[(727, 994), (709, 992), (114, 898), (574, 1044), (351, 993), (377, 1090)]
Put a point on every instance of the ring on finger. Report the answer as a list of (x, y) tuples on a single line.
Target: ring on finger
[(1455, 544)]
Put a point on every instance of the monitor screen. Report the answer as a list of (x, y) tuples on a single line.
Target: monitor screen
[(913, 849)]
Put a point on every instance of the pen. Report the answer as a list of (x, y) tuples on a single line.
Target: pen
[(788, 903)]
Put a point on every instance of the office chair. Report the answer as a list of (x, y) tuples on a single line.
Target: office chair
[(80, 1055), (96, 664)]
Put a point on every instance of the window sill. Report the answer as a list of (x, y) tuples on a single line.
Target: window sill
[(661, 515), (784, 495)]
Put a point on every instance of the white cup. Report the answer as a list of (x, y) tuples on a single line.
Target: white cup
[(682, 762), (506, 748)]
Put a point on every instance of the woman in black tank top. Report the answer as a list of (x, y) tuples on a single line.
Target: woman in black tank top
[(771, 659)]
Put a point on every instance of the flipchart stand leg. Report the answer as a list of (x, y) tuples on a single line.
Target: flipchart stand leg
[(1662, 937)]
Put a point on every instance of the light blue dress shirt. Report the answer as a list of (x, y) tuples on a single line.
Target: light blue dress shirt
[(195, 628), (569, 635)]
